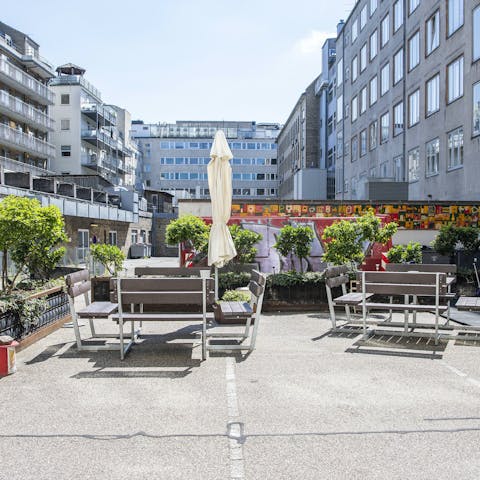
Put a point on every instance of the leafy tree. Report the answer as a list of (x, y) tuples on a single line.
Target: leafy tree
[(410, 253), (345, 238), (32, 235), (188, 229), (244, 241), (295, 241), (110, 256), (286, 241), (450, 236)]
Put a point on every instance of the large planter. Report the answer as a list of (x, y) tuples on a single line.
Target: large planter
[(308, 296), (100, 291), (57, 312)]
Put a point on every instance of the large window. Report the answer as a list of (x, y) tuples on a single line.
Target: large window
[(398, 66), (384, 127), (412, 5), (476, 34), (373, 134), (397, 15), (373, 6), (373, 45), (384, 79), (398, 169), (339, 108), (385, 30), (339, 72), (432, 96), (373, 90), (354, 109), (363, 100), (363, 17), (363, 142), (455, 79), (398, 118), (414, 165), (476, 109), (455, 148), (432, 157), (454, 15), (363, 58), (414, 51), (354, 68), (432, 33), (354, 30), (354, 148), (414, 108)]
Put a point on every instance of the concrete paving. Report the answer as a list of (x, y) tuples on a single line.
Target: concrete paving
[(307, 404)]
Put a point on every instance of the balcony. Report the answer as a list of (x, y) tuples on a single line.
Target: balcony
[(23, 112), (28, 143), (24, 83), (76, 80), (93, 110), (95, 136), (11, 165)]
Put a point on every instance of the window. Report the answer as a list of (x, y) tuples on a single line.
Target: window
[(414, 108), (455, 79), (476, 34), (373, 45), (384, 127), (432, 95), (354, 30), (363, 142), (65, 124), (414, 165), (363, 17), (398, 169), (398, 119), (455, 148), (363, 100), (66, 150), (384, 79), (412, 5), (373, 133), (476, 109), (432, 156), (354, 109), (414, 51), (339, 145), (432, 33), (384, 170), (454, 15), (112, 237), (398, 66), (134, 236), (373, 90), (385, 31), (339, 108), (397, 15), (65, 99), (363, 58), (354, 68), (373, 6), (354, 148), (339, 72), (260, 191)]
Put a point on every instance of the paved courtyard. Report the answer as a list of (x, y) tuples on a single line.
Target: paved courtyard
[(307, 404)]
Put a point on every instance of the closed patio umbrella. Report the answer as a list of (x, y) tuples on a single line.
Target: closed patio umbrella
[(220, 245)]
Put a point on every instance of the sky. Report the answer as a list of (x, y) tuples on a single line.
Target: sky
[(167, 60)]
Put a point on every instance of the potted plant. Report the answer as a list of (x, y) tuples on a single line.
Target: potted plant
[(112, 258), (410, 253), (295, 241)]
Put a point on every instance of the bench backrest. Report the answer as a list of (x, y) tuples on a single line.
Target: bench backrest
[(158, 291), (336, 276), (257, 290), (78, 283), (450, 269), (403, 283), (169, 271)]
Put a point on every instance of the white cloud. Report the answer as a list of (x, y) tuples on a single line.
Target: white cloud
[(312, 43)]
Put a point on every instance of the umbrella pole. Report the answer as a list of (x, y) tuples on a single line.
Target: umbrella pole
[(216, 282)]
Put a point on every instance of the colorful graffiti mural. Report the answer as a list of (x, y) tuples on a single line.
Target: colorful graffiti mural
[(408, 216)]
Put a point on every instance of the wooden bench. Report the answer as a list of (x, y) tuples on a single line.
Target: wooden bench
[(138, 292), (169, 271), (78, 283), (406, 284), (245, 314)]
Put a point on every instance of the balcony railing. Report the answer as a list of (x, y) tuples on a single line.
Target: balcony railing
[(26, 112), (21, 141), (106, 113), (104, 137), (76, 80), (25, 83), (9, 164)]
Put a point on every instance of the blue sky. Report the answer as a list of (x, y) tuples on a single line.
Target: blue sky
[(167, 60)]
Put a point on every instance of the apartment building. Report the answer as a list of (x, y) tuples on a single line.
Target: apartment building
[(408, 81), (175, 157), (299, 170)]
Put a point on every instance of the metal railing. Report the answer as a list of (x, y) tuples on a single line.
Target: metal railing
[(26, 142), (31, 114), (25, 81), (12, 165), (103, 111), (76, 79)]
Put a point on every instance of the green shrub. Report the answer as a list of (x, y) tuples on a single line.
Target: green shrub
[(410, 253), (188, 229), (236, 296), (110, 256), (292, 278), (450, 235), (295, 241), (244, 241), (233, 280)]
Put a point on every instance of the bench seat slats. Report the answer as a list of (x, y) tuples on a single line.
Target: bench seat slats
[(468, 303), (353, 298), (98, 310), (236, 309), (163, 317), (193, 297), (404, 306)]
